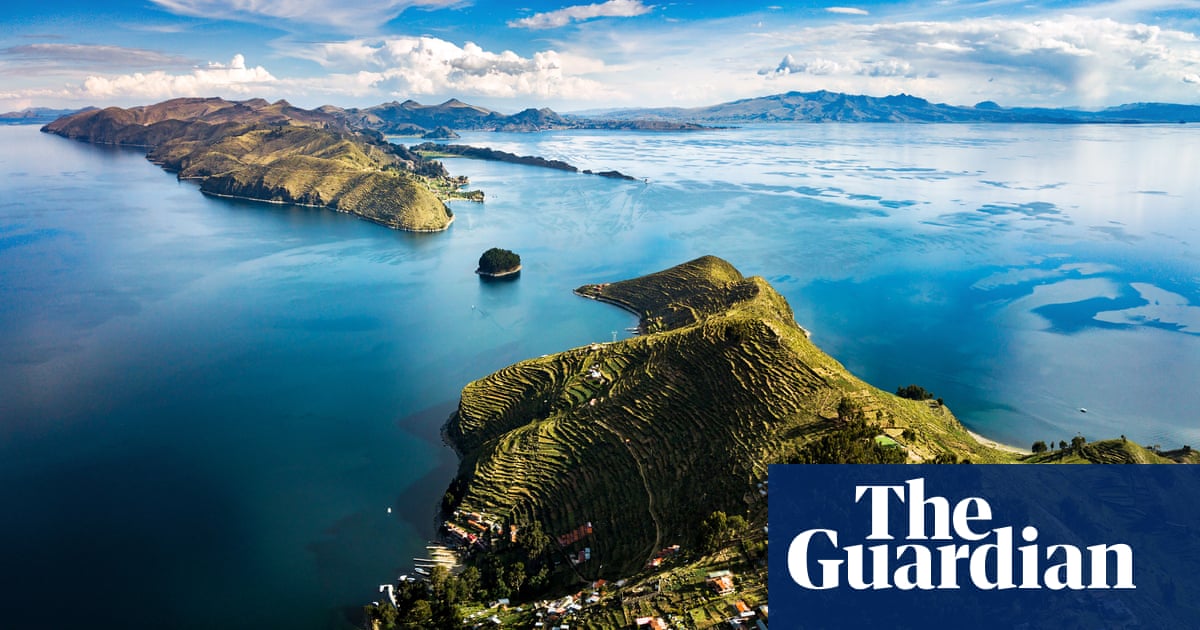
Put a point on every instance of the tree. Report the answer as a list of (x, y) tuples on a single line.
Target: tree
[(496, 260), (468, 581), (1077, 443), (848, 411), (908, 434), (849, 443), (913, 392), (514, 577), (534, 539), (1039, 447), (713, 531), (419, 614)]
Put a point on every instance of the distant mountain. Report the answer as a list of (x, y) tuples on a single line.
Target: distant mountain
[(411, 118), (825, 106), (36, 115)]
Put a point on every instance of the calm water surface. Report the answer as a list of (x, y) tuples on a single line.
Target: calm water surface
[(206, 407)]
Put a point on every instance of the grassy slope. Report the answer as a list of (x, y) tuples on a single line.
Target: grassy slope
[(1103, 452), (269, 152), (684, 421)]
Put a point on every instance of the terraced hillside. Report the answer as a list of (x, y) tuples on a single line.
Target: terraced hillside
[(276, 153), (646, 437), (1108, 452)]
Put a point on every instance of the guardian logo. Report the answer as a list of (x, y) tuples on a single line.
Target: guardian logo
[(984, 556), (984, 546)]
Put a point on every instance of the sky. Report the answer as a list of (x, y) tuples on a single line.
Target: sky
[(596, 55)]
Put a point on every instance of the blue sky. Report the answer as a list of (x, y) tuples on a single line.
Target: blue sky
[(609, 53)]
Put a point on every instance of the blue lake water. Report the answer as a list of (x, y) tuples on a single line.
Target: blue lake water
[(207, 406)]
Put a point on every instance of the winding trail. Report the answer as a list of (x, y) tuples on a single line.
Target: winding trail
[(646, 484)]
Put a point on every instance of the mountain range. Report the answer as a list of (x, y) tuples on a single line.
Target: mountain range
[(824, 106), (414, 119), (411, 118)]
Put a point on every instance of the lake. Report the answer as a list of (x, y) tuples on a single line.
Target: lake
[(208, 406)]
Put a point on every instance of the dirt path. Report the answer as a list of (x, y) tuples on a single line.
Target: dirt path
[(645, 484)]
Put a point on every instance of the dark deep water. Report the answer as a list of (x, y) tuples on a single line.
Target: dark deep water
[(207, 406)]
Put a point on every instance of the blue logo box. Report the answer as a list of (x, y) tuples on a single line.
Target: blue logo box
[(1010, 547)]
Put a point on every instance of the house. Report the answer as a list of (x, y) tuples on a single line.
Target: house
[(740, 609), (721, 582)]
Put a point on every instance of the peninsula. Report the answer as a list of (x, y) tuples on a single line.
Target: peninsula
[(277, 153), (435, 150), (628, 479)]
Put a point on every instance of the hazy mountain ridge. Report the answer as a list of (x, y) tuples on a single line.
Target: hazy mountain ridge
[(37, 115), (413, 118), (825, 106)]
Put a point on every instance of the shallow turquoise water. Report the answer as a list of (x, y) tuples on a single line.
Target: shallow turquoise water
[(206, 406)]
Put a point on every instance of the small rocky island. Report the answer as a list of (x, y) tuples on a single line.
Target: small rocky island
[(499, 263)]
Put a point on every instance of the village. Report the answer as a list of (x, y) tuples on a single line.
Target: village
[(677, 589)]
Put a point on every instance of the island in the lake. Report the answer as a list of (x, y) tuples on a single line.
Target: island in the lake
[(277, 153), (499, 263), (436, 150), (591, 479)]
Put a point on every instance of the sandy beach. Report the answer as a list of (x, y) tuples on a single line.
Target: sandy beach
[(997, 445)]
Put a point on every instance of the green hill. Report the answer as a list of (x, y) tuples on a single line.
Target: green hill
[(644, 438), (596, 462), (276, 153)]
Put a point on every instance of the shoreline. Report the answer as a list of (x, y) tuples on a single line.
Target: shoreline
[(499, 274), (1000, 446), (280, 202)]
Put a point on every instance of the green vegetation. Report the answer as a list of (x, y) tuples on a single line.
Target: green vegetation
[(648, 437), (498, 262), (645, 460), (276, 153), (1119, 451)]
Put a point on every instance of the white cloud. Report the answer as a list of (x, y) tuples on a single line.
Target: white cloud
[(358, 15), (847, 11), (1060, 60), (580, 13), (233, 79), (814, 66), (406, 66)]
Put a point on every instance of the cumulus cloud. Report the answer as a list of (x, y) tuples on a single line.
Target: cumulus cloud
[(233, 78), (583, 12), (359, 15), (826, 67), (789, 65), (1066, 59), (428, 65), (847, 11)]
